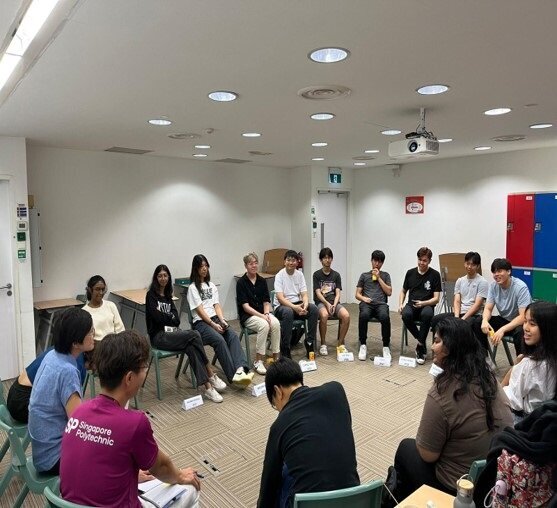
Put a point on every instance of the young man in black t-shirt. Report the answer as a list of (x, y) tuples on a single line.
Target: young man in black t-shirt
[(424, 287)]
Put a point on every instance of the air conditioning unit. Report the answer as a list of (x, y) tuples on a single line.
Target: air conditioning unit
[(413, 147)]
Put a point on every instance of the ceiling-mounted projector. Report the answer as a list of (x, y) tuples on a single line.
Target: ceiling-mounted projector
[(417, 144), (413, 147)]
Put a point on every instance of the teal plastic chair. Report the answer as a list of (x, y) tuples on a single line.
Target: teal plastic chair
[(476, 470), (507, 339), (90, 380), (361, 496), (404, 336), (21, 465), (53, 498), (297, 324)]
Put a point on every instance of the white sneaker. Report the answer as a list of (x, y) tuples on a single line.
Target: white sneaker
[(362, 354), (386, 352), (323, 351), (260, 367), (242, 379), (218, 384), (211, 394)]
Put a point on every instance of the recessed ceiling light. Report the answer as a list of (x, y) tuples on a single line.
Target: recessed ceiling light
[(445, 140), (160, 122), (223, 96), (319, 144), (359, 164), (251, 134), (497, 111), (432, 89), (328, 55), (322, 116), (200, 155), (371, 151), (203, 147), (541, 126), (391, 132), (318, 159), (481, 148)]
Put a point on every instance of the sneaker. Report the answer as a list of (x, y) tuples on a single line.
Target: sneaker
[(260, 367), (242, 379), (323, 351), (362, 355), (421, 353), (386, 352), (218, 384), (211, 394)]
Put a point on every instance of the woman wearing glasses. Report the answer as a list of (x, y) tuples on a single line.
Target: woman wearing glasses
[(106, 318)]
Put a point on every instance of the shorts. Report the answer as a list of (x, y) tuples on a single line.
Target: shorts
[(338, 308)]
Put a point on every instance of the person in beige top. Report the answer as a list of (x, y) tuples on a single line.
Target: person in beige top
[(106, 318)]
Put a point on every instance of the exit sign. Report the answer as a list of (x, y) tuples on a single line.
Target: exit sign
[(335, 176)]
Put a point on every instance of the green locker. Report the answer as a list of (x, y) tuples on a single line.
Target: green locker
[(545, 285)]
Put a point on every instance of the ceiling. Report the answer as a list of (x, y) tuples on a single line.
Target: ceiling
[(115, 64)]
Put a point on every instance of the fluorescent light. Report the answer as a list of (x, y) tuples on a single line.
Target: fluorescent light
[(371, 151), (203, 147), (322, 116), (318, 159), (223, 96), (328, 55), (160, 122), (200, 155), (497, 111), (391, 132), (319, 144), (7, 66), (541, 126), (432, 89), (32, 21), (445, 140), (251, 134), (359, 164), (481, 148)]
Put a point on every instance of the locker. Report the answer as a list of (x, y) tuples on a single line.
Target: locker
[(520, 229), (526, 275), (545, 231), (545, 285)]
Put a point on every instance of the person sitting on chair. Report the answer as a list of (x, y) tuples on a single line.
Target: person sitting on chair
[(327, 286), (373, 290), (423, 285), (106, 318), (113, 441), (291, 302)]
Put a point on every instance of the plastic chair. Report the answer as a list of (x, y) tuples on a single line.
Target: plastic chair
[(507, 339), (90, 378), (476, 470), (297, 324), (404, 336), (21, 465), (361, 496), (52, 495)]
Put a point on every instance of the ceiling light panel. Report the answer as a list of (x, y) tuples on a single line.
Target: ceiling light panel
[(322, 116), (432, 89), (251, 134), (391, 132), (200, 155), (223, 96), (497, 111), (541, 126), (160, 122), (319, 144), (318, 159), (202, 147), (359, 164), (371, 151), (328, 55), (482, 148), (445, 140)]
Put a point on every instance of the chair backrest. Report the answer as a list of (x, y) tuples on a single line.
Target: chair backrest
[(2, 399), (16, 446), (81, 298), (361, 496), (476, 469), (54, 499)]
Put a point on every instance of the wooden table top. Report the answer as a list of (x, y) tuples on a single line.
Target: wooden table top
[(57, 304), (425, 493), (136, 296)]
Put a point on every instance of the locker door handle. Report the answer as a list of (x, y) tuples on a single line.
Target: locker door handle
[(538, 226)]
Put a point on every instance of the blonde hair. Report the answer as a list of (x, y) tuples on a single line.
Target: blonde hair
[(249, 256)]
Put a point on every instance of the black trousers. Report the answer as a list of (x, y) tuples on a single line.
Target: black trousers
[(497, 322), (410, 314), (378, 311)]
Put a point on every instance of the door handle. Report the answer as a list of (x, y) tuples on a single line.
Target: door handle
[(7, 286)]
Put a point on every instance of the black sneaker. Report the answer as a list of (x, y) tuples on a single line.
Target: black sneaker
[(421, 353)]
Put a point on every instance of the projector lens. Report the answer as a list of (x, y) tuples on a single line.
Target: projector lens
[(412, 146)]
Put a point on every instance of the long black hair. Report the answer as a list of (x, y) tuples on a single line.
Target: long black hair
[(196, 263), (545, 316), (155, 286), (465, 362)]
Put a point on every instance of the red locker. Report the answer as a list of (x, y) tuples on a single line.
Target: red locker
[(520, 229)]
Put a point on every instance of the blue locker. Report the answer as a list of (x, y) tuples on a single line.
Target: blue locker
[(545, 230), (526, 275)]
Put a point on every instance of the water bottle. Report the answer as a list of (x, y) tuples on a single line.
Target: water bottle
[(464, 494)]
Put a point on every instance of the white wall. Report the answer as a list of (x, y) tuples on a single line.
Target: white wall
[(465, 208), (13, 167), (120, 215)]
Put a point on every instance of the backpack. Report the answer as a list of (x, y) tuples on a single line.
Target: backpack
[(520, 483)]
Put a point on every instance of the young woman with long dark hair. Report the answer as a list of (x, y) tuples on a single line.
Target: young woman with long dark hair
[(106, 318)]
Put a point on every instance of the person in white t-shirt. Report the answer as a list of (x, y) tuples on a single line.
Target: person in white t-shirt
[(533, 378), (208, 320), (292, 302), (106, 318)]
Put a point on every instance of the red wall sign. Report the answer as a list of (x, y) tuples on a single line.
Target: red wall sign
[(414, 204)]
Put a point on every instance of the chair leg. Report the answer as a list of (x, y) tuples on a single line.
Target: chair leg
[(21, 497), (508, 352), (179, 367), (92, 390), (8, 475), (404, 339), (148, 369), (158, 376), (492, 352)]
